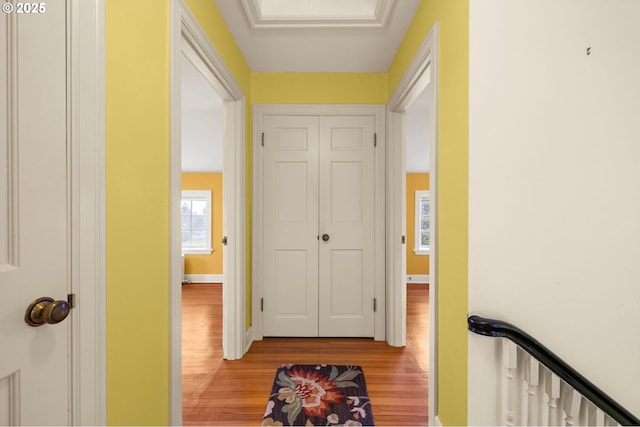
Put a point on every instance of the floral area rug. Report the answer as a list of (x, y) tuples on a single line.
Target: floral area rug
[(318, 395)]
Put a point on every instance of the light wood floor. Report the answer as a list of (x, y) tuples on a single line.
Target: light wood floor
[(221, 392)]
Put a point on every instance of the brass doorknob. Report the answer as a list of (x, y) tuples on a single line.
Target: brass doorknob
[(46, 310)]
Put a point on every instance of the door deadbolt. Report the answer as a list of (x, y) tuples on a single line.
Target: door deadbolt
[(325, 237), (46, 310)]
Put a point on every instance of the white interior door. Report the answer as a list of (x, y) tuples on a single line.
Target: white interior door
[(318, 222), (290, 252), (35, 380), (346, 255)]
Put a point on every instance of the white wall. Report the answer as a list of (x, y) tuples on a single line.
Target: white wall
[(201, 122), (554, 185), (417, 134)]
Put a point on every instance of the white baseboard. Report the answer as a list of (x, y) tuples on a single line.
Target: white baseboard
[(438, 422), (204, 278), (248, 339), (418, 278)]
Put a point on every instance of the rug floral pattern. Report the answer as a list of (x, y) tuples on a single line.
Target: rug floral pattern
[(318, 395)]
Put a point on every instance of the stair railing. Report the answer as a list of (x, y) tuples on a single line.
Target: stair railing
[(531, 370)]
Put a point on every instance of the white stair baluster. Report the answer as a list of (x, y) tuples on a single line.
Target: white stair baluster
[(531, 377), (608, 421), (543, 408), (511, 362), (584, 411), (521, 415), (591, 415), (599, 417), (553, 392), (501, 383), (571, 404), (540, 400)]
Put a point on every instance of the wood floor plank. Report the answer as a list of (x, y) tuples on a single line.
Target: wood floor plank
[(219, 392)]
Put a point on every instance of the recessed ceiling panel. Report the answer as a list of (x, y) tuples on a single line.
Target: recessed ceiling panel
[(318, 35), (325, 13), (319, 9)]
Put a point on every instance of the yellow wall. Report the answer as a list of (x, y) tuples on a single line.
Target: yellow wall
[(138, 203), (137, 211), (210, 19), (416, 264), (453, 194), (319, 88), (211, 263)]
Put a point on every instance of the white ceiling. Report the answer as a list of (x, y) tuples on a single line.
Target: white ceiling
[(318, 35)]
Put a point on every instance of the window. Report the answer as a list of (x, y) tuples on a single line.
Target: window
[(196, 221), (423, 223)]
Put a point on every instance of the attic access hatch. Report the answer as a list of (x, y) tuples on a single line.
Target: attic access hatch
[(317, 13)]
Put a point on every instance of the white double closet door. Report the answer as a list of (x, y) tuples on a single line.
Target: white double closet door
[(318, 242)]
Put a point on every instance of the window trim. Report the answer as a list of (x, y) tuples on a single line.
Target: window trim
[(419, 196), (199, 195)]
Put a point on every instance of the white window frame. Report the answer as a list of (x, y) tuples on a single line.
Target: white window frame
[(199, 195), (418, 249)]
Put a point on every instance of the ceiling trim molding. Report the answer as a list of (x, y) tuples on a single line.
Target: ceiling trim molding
[(257, 20)]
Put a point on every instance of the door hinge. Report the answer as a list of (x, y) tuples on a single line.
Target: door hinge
[(261, 304), (375, 305), (225, 240), (263, 139), (404, 240), (71, 300), (375, 139)]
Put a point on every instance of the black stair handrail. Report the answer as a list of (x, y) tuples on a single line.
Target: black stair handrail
[(498, 328)]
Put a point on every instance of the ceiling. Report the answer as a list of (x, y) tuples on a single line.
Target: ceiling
[(318, 35), (301, 36)]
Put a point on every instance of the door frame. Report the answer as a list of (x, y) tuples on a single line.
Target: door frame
[(188, 38), (413, 82), (86, 94), (259, 112)]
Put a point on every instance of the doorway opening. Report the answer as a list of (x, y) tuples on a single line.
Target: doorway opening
[(416, 90), (191, 48), (202, 178), (418, 211), (201, 229)]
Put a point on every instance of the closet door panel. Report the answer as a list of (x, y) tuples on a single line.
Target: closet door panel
[(290, 224), (346, 217)]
